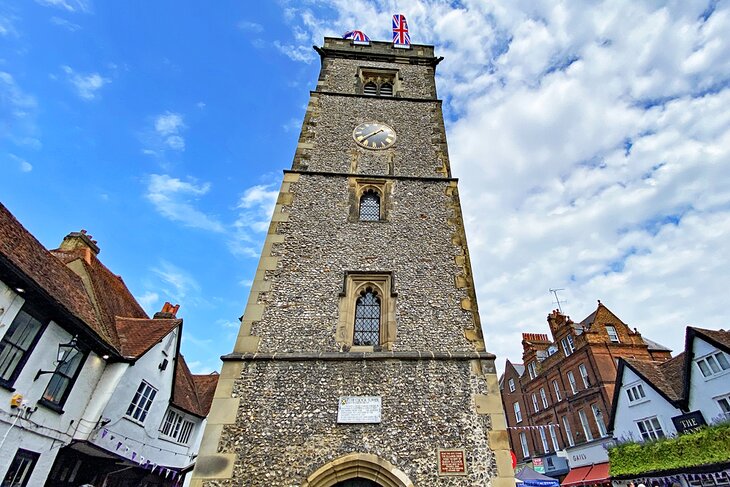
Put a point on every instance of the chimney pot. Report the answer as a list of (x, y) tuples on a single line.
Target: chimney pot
[(168, 311)]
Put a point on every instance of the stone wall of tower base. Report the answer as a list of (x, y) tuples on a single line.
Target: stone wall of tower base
[(286, 426)]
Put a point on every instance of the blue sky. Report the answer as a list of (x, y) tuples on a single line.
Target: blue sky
[(592, 143)]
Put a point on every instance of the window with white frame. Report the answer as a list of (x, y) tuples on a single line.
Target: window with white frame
[(568, 345), (584, 376), (518, 413), (568, 431), (532, 369), (598, 416), (534, 403), (612, 335), (543, 439), (140, 405), (556, 388), (511, 383), (650, 428), (543, 396), (635, 393), (554, 436), (585, 425), (523, 443), (724, 403), (571, 381), (175, 427), (713, 364)]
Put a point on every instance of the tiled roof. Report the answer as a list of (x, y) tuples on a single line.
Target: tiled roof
[(193, 393), (720, 336), (109, 292), (32, 259), (655, 346), (138, 335), (664, 376)]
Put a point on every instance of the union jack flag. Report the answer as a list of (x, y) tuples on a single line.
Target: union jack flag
[(357, 37), (401, 38)]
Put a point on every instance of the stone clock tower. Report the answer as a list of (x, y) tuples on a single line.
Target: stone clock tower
[(360, 360)]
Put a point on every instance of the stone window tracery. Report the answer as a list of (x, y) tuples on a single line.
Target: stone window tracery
[(370, 206), (367, 312), (379, 82)]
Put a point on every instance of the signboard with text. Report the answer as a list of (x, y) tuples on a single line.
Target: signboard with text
[(537, 465), (452, 462), (359, 409), (687, 423)]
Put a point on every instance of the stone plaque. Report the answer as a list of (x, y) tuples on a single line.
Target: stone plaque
[(359, 409), (452, 462)]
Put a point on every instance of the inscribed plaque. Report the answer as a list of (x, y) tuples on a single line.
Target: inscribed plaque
[(452, 462), (359, 409)]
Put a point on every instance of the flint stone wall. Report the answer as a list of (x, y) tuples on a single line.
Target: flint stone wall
[(286, 427), (419, 149), (320, 244), (340, 75)]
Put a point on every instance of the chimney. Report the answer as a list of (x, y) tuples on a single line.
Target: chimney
[(168, 311), (80, 241)]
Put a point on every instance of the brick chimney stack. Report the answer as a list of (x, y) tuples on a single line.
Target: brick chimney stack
[(556, 320), (168, 311), (82, 243)]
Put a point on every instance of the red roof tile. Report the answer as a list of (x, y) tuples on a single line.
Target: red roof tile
[(33, 260), (138, 335), (186, 393)]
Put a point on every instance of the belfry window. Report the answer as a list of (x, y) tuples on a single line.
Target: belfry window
[(378, 82), (367, 318), (370, 88), (370, 206)]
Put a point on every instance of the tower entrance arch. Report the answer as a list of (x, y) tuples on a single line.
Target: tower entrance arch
[(358, 470)]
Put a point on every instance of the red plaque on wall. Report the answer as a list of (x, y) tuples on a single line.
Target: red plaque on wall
[(452, 462)]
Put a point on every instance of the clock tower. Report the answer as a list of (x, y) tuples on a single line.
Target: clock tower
[(360, 359)]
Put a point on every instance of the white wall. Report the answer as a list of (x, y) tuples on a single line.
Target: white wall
[(144, 438), (41, 430), (624, 425), (704, 390)]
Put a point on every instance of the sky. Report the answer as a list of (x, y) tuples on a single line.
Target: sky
[(591, 140)]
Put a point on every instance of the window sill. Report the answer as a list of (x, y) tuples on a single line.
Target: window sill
[(56, 408), (133, 421), (636, 403), (717, 375), (7, 386), (362, 348)]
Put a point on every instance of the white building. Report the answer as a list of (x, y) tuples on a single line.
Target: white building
[(92, 390), (653, 401)]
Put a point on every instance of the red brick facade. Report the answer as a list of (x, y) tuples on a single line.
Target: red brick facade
[(571, 374)]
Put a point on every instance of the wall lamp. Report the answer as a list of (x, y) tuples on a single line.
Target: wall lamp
[(64, 354)]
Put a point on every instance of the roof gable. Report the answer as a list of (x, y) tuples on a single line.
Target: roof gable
[(193, 393), (138, 335), (717, 338)]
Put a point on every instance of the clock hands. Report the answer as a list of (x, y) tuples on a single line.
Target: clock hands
[(370, 135)]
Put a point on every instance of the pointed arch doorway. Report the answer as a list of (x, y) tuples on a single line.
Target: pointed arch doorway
[(357, 482), (358, 470)]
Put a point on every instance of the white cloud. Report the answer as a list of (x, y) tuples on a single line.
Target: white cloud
[(19, 112), (175, 199), (68, 5), (86, 85), (23, 165), (167, 129), (66, 24), (148, 300), (593, 147), (296, 53), (177, 283), (248, 26), (255, 207)]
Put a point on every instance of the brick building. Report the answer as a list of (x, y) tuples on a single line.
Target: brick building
[(558, 400)]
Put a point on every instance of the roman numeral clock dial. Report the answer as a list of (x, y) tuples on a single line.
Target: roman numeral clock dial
[(374, 135)]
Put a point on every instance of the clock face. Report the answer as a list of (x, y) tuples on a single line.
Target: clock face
[(374, 135)]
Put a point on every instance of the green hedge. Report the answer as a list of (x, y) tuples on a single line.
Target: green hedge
[(706, 446)]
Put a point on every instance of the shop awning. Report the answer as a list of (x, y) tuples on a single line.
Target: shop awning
[(597, 475), (576, 476)]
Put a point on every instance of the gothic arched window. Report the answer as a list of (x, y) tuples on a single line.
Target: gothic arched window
[(386, 89), (367, 318), (370, 206), (370, 88)]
